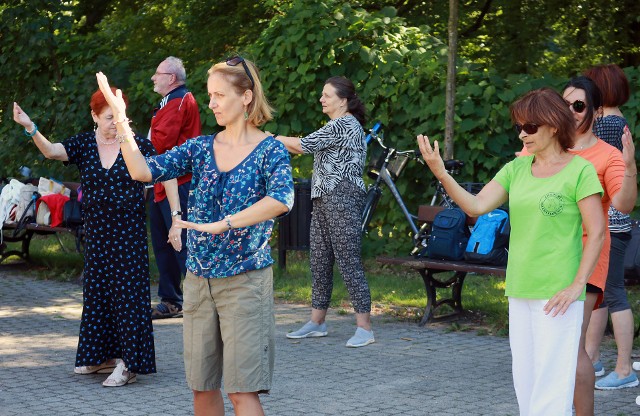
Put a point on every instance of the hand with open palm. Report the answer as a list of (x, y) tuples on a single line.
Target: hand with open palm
[(115, 101)]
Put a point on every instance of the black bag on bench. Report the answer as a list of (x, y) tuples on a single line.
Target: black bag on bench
[(449, 235), (72, 215)]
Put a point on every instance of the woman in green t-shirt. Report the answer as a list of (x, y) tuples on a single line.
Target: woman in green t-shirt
[(551, 195)]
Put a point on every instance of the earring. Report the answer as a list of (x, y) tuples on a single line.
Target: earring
[(246, 115), (95, 126)]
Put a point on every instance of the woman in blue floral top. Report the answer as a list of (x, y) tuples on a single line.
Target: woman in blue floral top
[(241, 182), (338, 192)]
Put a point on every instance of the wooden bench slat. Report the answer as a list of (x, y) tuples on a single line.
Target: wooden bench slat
[(427, 213), (458, 266)]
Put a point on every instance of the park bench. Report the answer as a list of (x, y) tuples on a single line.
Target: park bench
[(17, 238), (430, 270)]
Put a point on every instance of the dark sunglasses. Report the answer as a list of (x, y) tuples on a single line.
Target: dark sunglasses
[(528, 128), (235, 60), (578, 106)]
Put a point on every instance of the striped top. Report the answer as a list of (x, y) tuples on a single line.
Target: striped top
[(339, 152)]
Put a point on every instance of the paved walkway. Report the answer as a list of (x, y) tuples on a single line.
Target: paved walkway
[(408, 371)]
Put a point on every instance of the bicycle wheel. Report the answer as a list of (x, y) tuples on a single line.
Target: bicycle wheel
[(370, 204)]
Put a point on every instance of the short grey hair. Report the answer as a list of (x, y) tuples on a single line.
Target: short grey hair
[(175, 66)]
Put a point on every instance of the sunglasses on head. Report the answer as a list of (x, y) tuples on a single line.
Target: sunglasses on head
[(578, 106), (528, 128), (235, 60)]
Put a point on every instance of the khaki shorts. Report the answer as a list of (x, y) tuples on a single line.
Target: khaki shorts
[(229, 329)]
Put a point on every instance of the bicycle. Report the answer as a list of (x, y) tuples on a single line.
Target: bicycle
[(386, 167)]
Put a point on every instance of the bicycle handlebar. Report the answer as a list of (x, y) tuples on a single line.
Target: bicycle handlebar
[(373, 132), (373, 135)]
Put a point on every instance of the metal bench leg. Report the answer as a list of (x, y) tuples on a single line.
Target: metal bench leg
[(64, 249), (24, 239), (25, 244), (427, 278), (431, 284), (456, 291)]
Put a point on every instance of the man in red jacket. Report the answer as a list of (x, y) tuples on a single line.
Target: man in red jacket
[(175, 120)]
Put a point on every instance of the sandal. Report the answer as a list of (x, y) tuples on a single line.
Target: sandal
[(119, 378), (105, 367), (166, 310)]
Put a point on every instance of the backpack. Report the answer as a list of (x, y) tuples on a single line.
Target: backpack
[(489, 241), (449, 235)]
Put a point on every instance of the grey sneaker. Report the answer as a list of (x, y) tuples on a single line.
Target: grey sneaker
[(308, 330), (598, 368), (361, 338)]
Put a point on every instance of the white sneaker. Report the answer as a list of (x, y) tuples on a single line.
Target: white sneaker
[(309, 330), (361, 338)]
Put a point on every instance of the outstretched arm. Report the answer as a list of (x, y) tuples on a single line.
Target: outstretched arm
[(50, 150), (490, 197), (292, 144), (263, 210), (136, 163), (625, 199)]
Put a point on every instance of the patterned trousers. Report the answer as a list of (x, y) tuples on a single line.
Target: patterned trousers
[(336, 237)]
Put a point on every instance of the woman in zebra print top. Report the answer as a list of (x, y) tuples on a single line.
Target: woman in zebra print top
[(338, 192)]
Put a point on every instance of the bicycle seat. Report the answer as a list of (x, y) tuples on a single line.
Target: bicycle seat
[(453, 165)]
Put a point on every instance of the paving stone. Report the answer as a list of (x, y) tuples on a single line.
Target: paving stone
[(408, 371)]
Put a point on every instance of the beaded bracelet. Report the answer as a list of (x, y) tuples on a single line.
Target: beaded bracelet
[(227, 219), (125, 120), (33, 132), (121, 137)]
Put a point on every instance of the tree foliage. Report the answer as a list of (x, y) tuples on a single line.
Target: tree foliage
[(535, 36), (394, 51)]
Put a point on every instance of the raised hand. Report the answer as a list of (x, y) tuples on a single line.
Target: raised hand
[(115, 101), (20, 117), (431, 155), (628, 149)]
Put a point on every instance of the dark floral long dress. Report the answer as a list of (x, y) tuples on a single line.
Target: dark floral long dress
[(116, 318)]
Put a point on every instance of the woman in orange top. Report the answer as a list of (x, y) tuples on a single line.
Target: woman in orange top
[(617, 173)]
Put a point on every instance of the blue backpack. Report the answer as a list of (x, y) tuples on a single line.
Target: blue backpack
[(489, 241), (449, 235)]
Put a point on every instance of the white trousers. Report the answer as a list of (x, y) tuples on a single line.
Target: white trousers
[(545, 355)]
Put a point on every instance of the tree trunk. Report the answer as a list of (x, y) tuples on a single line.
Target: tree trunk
[(451, 79)]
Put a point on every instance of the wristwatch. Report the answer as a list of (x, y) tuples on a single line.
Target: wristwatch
[(176, 213)]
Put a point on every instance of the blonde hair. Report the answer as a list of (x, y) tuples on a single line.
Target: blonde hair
[(259, 111)]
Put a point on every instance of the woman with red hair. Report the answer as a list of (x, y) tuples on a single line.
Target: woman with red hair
[(116, 334)]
